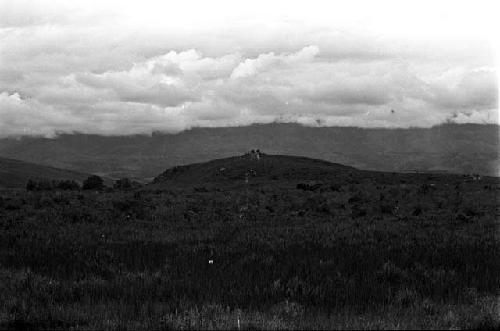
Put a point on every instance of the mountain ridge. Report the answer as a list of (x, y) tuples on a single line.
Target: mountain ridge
[(458, 148)]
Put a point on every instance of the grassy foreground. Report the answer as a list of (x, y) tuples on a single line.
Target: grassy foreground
[(280, 256)]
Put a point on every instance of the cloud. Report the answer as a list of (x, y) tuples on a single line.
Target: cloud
[(263, 62), (28, 116), (475, 91), (112, 69), (140, 87), (168, 80)]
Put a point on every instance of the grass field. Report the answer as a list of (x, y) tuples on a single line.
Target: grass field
[(274, 255)]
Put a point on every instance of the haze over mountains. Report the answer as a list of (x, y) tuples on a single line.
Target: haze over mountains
[(460, 148)]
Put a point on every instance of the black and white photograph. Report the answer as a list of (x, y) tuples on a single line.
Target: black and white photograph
[(249, 165)]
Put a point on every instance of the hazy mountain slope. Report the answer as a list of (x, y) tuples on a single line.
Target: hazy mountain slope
[(463, 148), (15, 173)]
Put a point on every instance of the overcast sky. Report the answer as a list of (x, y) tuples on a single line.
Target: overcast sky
[(122, 67)]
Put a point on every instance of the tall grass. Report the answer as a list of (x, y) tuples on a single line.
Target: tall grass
[(296, 259)]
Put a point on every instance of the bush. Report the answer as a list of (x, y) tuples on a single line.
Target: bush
[(40, 185), (122, 184), (126, 184), (386, 209), (69, 185), (47, 185), (417, 211), (31, 185), (308, 187), (356, 198), (93, 183), (335, 188)]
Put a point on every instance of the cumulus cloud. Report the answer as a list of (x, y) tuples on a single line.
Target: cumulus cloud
[(28, 116), (263, 62), (476, 90), (112, 74)]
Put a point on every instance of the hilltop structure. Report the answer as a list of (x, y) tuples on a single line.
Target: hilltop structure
[(254, 154)]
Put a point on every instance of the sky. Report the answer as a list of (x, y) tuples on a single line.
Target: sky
[(128, 67)]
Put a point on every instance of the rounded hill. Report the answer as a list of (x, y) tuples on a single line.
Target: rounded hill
[(255, 166)]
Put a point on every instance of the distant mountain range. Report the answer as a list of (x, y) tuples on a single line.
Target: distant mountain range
[(15, 174), (460, 148)]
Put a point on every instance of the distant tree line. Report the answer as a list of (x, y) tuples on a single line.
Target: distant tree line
[(92, 182), (48, 185), (126, 184)]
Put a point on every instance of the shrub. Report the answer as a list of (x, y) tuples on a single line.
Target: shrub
[(48, 185), (69, 185), (31, 185), (356, 198), (386, 209), (45, 185), (417, 211), (406, 297), (472, 211), (93, 183), (40, 185), (335, 188), (359, 212), (122, 184), (308, 187)]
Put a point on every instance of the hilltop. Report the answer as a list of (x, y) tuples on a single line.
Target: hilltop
[(294, 171), (15, 173), (267, 167)]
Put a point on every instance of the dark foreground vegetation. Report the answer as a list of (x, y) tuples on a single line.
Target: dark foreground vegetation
[(356, 253)]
